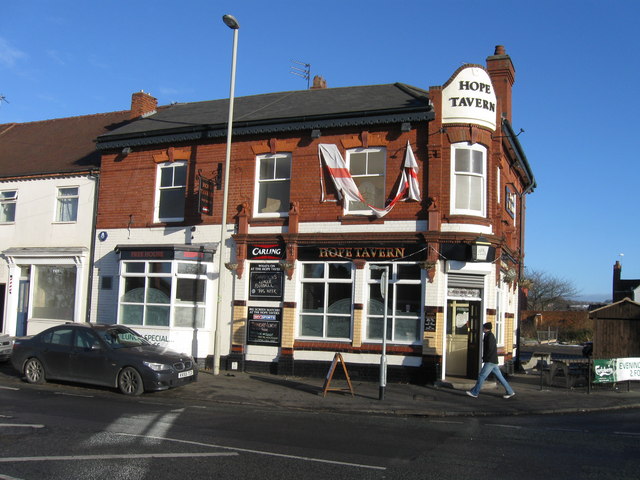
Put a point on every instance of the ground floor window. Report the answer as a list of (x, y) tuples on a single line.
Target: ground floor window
[(163, 293), (327, 299), (54, 291), (404, 303)]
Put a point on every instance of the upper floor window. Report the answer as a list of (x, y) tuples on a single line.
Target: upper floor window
[(8, 200), (67, 204), (171, 187), (273, 185), (468, 179), (367, 167), (510, 201)]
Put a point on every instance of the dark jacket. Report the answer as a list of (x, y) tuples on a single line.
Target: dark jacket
[(489, 348)]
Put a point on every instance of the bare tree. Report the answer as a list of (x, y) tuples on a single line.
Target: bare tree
[(547, 292)]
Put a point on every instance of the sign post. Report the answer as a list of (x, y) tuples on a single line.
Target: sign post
[(384, 290)]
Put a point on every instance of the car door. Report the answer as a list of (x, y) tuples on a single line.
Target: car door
[(55, 353), (90, 359)]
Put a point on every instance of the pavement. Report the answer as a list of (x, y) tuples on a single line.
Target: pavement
[(443, 399)]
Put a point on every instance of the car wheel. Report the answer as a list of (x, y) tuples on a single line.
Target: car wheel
[(34, 371), (130, 381)]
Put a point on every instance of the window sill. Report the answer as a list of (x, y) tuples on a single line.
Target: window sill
[(64, 223), (360, 220), (268, 221)]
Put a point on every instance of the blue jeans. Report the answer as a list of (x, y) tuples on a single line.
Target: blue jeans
[(487, 369)]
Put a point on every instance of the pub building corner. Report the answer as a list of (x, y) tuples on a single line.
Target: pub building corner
[(419, 193)]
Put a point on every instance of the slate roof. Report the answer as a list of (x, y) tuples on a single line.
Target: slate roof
[(274, 112), (61, 145)]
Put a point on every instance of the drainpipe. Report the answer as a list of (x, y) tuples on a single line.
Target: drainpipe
[(95, 176)]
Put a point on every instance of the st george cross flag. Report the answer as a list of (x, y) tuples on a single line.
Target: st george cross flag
[(348, 189)]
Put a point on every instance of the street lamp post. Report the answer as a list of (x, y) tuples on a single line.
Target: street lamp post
[(231, 22)]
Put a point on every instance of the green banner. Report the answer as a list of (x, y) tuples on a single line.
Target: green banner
[(616, 370)]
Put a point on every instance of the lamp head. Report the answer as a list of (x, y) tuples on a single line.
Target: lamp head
[(231, 22)]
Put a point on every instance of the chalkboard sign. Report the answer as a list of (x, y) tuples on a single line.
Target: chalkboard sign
[(430, 323), (263, 326), (265, 281)]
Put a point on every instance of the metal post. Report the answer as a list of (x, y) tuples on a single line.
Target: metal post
[(232, 23), (384, 286)]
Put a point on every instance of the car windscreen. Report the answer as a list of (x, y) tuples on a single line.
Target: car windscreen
[(122, 338)]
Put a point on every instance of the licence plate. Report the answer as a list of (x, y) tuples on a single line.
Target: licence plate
[(188, 373)]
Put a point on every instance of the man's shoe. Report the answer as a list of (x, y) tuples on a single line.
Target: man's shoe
[(508, 395), (468, 392)]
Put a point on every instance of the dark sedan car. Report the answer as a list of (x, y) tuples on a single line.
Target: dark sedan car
[(108, 355)]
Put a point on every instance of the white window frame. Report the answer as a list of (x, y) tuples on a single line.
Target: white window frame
[(175, 275), (348, 210), (469, 175), (326, 280), (499, 319), (159, 189), (283, 210), (59, 203), (11, 198), (510, 201), (394, 314)]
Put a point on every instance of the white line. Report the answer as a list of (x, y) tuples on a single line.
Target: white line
[(115, 457), (516, 427), (7, 477), (633, 434), (8, 388), (24, 425), (445, 421), (258, 452), (73, 394)]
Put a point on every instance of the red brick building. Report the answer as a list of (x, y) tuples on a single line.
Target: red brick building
[(329, 187)]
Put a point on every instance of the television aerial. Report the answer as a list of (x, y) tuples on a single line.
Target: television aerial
[(301, 69)]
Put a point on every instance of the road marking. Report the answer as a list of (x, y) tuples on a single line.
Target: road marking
[(257, 452), (131, 456), (632, 434), (73, 394), (515, 427), (8, 388), (7, 477), (23, 425), (446, 421)]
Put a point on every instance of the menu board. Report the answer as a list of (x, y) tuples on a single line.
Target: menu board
[(265, 281), (263, 326)]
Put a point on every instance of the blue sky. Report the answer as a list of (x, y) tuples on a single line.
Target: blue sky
[(575, 94)]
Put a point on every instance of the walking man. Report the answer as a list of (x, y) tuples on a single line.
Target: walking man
[(490, 359)]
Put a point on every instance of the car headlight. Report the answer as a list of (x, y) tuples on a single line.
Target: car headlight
[(157, 367)]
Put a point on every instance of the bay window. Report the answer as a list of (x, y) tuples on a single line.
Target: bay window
[(163, 294), (54, 292)]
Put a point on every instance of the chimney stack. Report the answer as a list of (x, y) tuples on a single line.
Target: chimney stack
[(142, 104), (617, 273), (318, 83), (503, 76)]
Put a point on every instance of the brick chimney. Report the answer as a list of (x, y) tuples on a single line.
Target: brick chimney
[(142, 104), (503, 76), (318, 83), (617, 273)]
